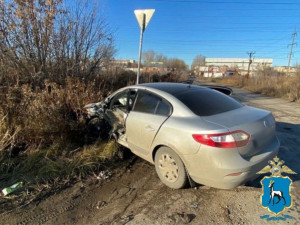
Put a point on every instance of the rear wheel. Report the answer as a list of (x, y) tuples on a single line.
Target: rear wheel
[(170, 168)]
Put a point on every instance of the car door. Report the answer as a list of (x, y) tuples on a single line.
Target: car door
[(144, 121), (118, 109)]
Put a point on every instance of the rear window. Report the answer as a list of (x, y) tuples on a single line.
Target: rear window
[(208, 102)]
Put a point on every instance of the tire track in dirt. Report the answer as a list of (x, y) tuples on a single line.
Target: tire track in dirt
[(41, 218)]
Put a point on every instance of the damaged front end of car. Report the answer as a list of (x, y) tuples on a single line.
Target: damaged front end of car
[(97, 123)]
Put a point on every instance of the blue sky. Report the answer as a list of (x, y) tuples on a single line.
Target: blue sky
[(218, 28)]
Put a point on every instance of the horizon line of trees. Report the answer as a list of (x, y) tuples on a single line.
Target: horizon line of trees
[(150, 56)]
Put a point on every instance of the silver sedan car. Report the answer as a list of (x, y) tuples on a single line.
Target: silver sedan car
[(190, 131)]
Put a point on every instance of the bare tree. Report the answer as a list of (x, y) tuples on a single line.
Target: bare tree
[(176, 64), (161, 58), (172, 63), (41, 39), (148, 56), (199, 60)]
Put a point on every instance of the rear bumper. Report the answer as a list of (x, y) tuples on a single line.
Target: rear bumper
[(217, 170)]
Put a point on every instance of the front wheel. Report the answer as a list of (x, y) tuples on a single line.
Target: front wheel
[(170, 168), (96, 129)]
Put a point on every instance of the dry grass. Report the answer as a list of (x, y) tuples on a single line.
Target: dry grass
[(42, 130), (44, 172), (41, 139), (287, 87), (44, 85)]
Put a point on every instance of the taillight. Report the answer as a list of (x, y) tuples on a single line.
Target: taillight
[(233, 139)]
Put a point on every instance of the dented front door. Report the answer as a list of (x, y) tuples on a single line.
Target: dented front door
[(144, 121)]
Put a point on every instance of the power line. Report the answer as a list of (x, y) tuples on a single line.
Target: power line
[(231, 16), (188, 59), (262, 43), (207, 29), (228, 2), (274, 40), (219, 44)]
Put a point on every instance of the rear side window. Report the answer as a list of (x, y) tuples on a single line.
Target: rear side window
[(207, 102), (149, 103), (163, 108), (146, 103)]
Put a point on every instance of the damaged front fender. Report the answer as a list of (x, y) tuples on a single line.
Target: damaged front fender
[(94, 110), (97, 123)]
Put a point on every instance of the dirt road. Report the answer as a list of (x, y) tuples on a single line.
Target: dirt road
[(136, 196)]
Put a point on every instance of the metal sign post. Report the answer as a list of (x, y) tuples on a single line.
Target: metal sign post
[(140, 48), (143, 17)]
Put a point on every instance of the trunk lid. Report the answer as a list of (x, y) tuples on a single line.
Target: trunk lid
[(258, 123)]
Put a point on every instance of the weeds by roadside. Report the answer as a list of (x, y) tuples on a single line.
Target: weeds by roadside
[(42, 133), (283, 86), (44, 85), (44, 172)]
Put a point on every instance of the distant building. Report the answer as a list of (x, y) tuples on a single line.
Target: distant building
[(123, 63), (217, 67), (284, 69), (151, 67), (215, 71), (239, 63), (155, 67)]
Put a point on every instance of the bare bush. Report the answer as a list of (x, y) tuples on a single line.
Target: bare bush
[(42, 131), (51, 62), (199, 60), (42, 40), (51, 65)]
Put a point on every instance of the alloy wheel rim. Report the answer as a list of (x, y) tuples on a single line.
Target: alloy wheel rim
[(168, 168)]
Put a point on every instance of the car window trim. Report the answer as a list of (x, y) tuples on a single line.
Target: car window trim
[(128, 99)]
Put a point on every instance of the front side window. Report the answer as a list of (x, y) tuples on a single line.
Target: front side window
[(119, 101)]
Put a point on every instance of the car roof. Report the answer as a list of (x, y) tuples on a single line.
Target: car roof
[(173, 88)]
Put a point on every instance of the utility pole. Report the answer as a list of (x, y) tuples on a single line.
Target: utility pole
[(291, 50), (250, 61)]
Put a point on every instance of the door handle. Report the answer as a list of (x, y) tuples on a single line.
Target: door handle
[(149, 128)]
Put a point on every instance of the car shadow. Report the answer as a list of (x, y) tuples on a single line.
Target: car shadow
[(288, 135)]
